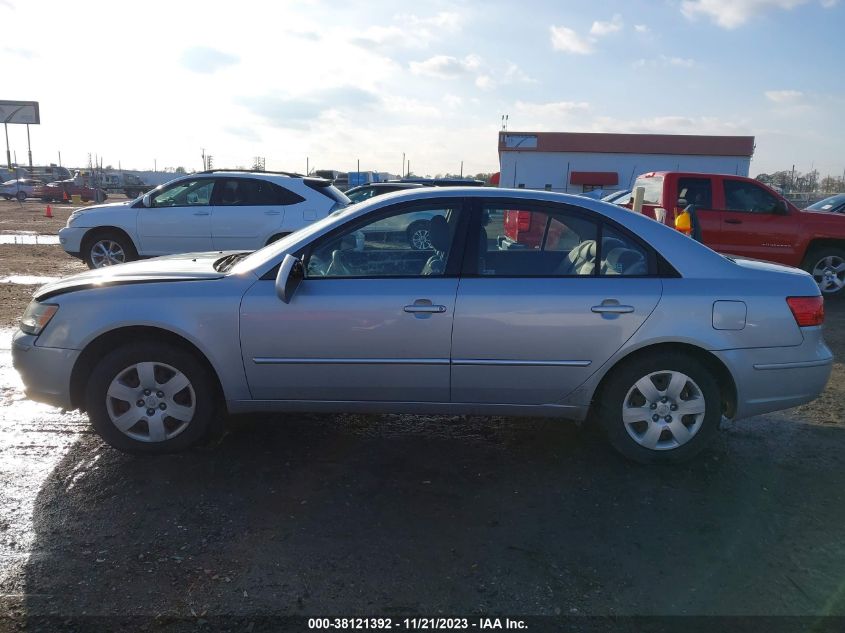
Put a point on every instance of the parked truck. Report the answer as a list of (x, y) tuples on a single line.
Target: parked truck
[(743, 217)]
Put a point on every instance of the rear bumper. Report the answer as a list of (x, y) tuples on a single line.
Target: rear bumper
[(45, 371), (774, 378)]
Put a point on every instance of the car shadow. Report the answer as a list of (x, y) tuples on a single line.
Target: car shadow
[(395, 515)]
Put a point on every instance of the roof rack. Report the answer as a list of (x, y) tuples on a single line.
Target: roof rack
[(254, 171)]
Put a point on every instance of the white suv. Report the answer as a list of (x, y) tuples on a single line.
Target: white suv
[(208, 211)]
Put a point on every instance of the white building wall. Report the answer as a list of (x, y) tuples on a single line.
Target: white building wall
[(536, 170)]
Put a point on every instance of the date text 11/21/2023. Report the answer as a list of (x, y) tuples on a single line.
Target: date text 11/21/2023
[(417, 623)]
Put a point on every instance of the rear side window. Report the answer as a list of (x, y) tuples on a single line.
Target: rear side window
[(697, 191), (653, 186), (253, 192), (621, 255)]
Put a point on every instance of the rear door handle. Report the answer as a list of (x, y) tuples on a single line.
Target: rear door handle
[(732, 221), (612, 309), (272, 213), (200, 212), (424, 309)]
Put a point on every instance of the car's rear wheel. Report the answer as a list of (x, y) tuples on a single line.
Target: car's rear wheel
[(21, 196), (108, 249), (827, 266), (419, 236), (150, 398), (664, 407)]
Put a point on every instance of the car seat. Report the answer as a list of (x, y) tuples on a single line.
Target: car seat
[(438, 230), (624, 261)]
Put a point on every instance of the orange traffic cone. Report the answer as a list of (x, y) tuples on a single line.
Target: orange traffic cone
[(65, 198), (48, 213)]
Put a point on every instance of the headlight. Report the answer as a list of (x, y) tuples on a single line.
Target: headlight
[(74, 216), (37, 316)]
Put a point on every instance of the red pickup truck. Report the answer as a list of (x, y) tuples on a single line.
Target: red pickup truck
[(741, 216)]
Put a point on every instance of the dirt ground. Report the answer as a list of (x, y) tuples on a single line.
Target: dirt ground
[(398, 516)]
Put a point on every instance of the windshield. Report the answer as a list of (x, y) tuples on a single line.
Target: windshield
[(828, 204)]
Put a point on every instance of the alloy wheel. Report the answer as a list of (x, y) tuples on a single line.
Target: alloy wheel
[(829, 273), (107, 253)]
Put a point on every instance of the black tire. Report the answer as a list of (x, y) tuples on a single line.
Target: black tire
[(276, 238), (7, 197), (414, 233), (619, 385), (21, 196), (93, 239), (817, 262), (119, 362)]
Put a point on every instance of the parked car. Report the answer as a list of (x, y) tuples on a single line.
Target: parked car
[(19, 189), (741, 216), (833, 204), (617, 197), (626, 321), (225, 209), (373, 189), (66, 189)]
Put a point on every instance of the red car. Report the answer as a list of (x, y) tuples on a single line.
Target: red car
[(66, 189)]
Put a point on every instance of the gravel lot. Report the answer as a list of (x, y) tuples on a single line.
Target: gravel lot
[(404, 515)]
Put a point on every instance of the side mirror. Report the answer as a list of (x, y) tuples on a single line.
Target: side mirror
[(781, 208), (147, 201), (290, 275)]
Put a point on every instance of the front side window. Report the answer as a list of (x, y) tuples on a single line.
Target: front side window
[(361, 194), (185, 193), (653, 189), (748, 197), (407, 243)]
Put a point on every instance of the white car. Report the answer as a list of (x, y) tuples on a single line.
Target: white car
[(212, 210), (19, 189)]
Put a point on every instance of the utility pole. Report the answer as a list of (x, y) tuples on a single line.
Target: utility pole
[(8, 153), (29, 148), (307, 166), (401, 173), (462, 169)]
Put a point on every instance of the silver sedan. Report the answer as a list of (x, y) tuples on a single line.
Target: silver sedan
[(525, 303)]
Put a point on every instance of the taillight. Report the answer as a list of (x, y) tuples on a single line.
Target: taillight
[(807, 310), (523, 220)]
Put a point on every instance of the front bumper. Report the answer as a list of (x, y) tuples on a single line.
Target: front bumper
[(71, 237), (774, 378), (45, 371)]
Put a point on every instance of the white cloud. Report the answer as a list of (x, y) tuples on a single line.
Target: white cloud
[(567, 40), (515, 74), (784, 96), (665, 61), (547, 115), (410, 31), (204, 59), (453, 101), (446, 66), (606, 28), (641, 28), (731, 14), (485, 82)]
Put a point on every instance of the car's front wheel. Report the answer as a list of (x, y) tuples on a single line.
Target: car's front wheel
[(21, 196), (827, 266), (661, 407), (108, 249), (150, 398)]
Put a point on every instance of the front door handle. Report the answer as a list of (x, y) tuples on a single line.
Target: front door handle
[(613, 308), (424, 309), (732, 221), (200, 212), (272, 213)]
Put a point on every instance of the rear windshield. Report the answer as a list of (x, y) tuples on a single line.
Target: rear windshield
[(327, 189), (653, 186)]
